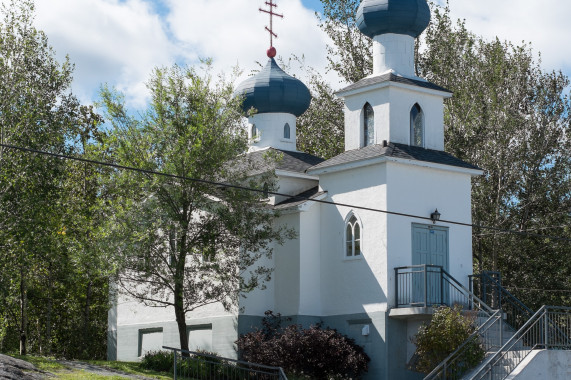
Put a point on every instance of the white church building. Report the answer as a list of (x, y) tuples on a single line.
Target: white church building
[(356, 261)]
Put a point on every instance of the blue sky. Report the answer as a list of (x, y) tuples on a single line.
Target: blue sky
[(119, 42)]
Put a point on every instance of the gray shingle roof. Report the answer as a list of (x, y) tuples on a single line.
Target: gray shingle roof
[(398, 151), (390, 77), (291, 161), (294, 202)]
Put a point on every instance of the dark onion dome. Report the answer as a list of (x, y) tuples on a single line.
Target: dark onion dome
[(273, 91), (376, 17)]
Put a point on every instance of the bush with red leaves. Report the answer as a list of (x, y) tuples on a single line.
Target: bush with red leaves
[(316, 352)]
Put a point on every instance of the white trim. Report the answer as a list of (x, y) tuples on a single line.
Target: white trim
[(376, 86), (287, 173), (348, 217), (383, 159)]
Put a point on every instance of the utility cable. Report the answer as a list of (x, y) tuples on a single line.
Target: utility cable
[(295, 197)]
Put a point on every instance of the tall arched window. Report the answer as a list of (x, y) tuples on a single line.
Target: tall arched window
[(254, 131), (416, 126), (352, 237), (286, 131), (368, 125)]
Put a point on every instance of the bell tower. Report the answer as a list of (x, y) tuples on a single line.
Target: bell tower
[(393, 104)]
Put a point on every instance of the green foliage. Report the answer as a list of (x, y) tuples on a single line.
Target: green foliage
[(161, 361), (187, 243), (320, 130), (315, 352), (53, 295), (512, 119), (447, 330)]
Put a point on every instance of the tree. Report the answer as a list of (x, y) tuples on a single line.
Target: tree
[(321, 128), (512, 119), (35, 104), (350, 56), (508, 117), (188, 243), (447, 330), (46, 303)]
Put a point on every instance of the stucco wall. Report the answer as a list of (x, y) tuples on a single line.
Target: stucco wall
[(271, 131), (392, 105), (420, 190), (351, 285), (544, 364)]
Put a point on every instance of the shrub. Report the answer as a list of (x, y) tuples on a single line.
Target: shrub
[(160, 361), (316, 352), (447, 330)]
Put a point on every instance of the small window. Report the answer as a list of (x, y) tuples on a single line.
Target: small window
[(416, 126), (368, 125), (254, 131), (353, 237), (286, 131)]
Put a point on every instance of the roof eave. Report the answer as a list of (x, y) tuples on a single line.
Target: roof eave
[(376, 86)]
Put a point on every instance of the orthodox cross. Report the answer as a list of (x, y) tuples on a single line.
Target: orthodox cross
[(272, 5)]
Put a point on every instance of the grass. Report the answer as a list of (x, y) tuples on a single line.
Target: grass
[(65, 373)]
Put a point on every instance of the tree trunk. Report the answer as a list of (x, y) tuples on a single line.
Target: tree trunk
[(86, 316), (23, 312), (180, 317), (49, 312)]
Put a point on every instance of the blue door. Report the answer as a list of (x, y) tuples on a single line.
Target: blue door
[(429, 246)]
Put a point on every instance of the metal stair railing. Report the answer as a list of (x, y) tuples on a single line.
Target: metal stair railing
[(429, 285), (494, 294), (458, 362), (197, 366), (548, 328)]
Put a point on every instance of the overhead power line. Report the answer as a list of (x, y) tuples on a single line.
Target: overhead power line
[(295, 197)]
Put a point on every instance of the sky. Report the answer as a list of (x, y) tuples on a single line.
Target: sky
[(119, 42)]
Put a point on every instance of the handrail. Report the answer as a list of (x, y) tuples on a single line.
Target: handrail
[(542, 340), (443, 276), (280, 372), (506, 292), (488, 309), (479, 331)]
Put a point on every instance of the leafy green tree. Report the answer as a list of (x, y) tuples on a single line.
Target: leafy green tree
[(35, 104), (350, 55), (512, 119), (447, 330), (188, 243), (52, 285), (321, 128)]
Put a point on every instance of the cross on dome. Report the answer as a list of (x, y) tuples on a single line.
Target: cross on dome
[(272, 50)]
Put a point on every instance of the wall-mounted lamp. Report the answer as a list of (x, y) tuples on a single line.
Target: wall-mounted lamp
[(435, 216)]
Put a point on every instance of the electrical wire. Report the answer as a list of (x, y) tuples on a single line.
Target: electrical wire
[(295, 197)]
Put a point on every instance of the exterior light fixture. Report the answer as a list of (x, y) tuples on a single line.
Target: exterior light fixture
[(435, 216)]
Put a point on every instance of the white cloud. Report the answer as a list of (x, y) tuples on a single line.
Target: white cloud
[(543, 23), (120, 41), (232, 32), (110, 41)]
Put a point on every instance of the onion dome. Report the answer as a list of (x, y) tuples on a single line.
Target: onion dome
[(274, 91), (376, 17)]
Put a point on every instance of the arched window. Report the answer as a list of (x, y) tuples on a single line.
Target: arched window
[(352, 237), (368, 125), (416, 126), (286, 131), (254, 131)]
